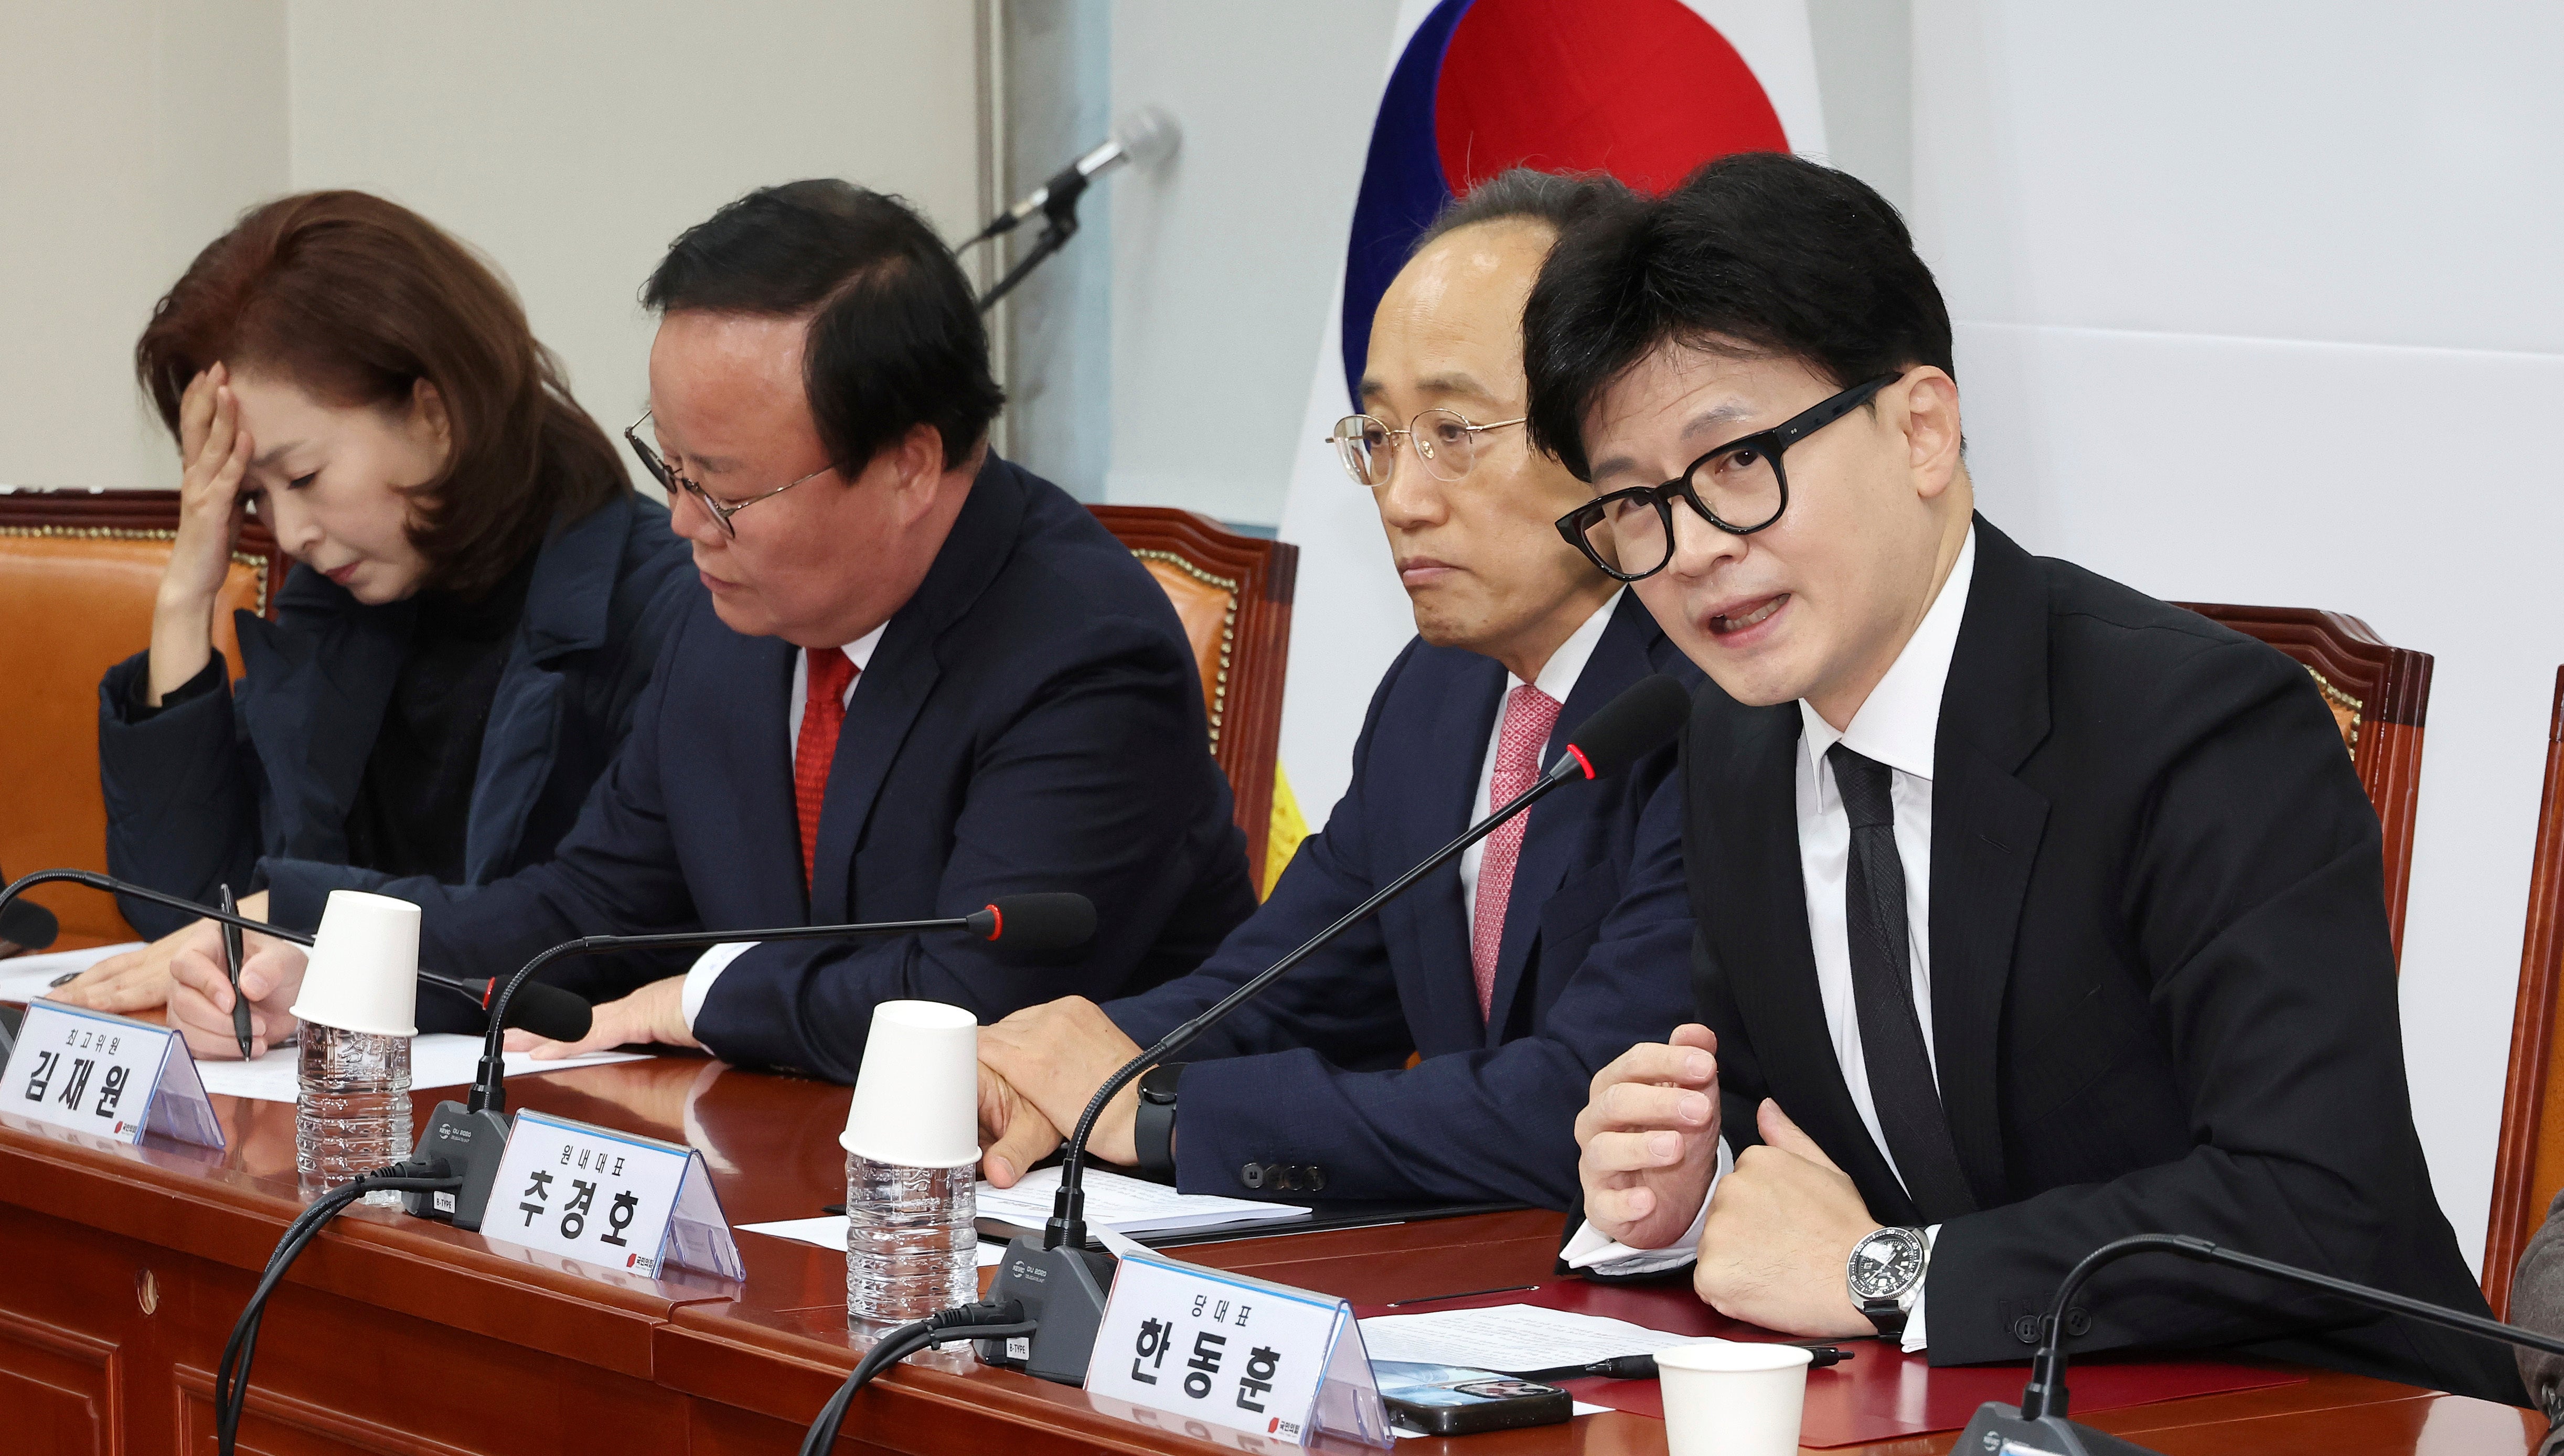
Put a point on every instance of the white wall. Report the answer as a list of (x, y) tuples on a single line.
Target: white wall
[(2258, 303), (572, 142), (131, 133), (1223, 261)]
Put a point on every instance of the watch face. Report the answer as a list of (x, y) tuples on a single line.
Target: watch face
[(1887, 1265)]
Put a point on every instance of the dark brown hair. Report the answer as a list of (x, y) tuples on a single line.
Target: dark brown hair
[(357, 300)]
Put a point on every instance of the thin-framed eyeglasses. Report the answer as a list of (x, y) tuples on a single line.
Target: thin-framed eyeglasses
[(671, 482), (1740, 487), (1444, 440)]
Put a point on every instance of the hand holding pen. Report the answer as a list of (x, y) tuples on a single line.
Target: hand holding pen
[(232, 967)]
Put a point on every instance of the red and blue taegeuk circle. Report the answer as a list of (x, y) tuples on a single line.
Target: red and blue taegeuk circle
[(1645, 89)]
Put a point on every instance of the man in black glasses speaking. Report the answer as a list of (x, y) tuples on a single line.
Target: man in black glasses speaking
[(918, 677), (2033, 912)]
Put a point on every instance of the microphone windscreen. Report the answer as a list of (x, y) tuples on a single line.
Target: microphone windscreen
[(1148, 137), (1641, 720), (28, 926), (550, 1011), (1047, 920)]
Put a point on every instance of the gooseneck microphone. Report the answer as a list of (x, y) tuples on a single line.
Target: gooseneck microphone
[(1145, 136), (1045, 921), (1060, 1285), (2039, 1427), (547, 1011), (113, 886), (471, 1135)]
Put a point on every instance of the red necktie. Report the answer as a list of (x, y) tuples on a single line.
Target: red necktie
[(1530, 714), (823, 712)]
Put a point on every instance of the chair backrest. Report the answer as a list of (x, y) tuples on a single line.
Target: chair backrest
[(2378, 695), (2528, 1163), (1233, 593), (78, 573)]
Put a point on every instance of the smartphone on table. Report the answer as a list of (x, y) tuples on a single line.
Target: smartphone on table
[(1455, 1400)]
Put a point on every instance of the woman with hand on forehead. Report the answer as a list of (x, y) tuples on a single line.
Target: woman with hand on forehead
[(476, 600)]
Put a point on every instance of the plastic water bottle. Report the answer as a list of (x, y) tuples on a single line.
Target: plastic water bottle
[(911, 1245), (352, 1114)]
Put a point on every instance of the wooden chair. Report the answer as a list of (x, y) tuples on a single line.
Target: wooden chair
[(78, 573), (2378, 695), (2528, 1163), (1233, 592)]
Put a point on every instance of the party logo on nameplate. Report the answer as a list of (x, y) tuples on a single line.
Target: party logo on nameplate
[(1249, 1355), (610, 1199), (111, 1076)]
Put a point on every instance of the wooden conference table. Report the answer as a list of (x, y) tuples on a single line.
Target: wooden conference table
[(125, 1267)]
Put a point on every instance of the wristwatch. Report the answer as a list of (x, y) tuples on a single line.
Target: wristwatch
[(1885, 1272), (1154, 1132)]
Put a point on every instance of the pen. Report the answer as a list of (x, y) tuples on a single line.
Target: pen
[(232, 965), (65, 978), (1466, 1294), (1643, 1366)]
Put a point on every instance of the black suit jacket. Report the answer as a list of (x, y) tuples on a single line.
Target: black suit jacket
[(1032, 720), (1309, 1075), (2163, 994)]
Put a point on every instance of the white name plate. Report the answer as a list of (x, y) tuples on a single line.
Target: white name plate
[(609, 1198), (111, 1076), (1262, 1358)]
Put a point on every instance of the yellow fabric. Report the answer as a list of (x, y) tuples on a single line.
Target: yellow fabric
[(1287, 829)]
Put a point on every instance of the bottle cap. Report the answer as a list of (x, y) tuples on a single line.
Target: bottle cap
[(364, 971), (917, 1095)]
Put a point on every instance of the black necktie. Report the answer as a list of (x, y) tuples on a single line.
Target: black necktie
[(1882, 994)]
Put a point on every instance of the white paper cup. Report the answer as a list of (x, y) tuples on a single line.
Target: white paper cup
[(917, 1095), (1732, 1398), (362, 975)]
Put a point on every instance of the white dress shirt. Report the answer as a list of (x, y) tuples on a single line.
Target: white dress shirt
[(1557, 678), (1897, 726), (709, 965)]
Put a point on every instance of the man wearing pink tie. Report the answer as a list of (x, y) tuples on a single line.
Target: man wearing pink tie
[(1511, 976)]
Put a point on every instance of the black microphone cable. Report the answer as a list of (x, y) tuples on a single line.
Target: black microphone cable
[(982, 1320), (231, 1375)]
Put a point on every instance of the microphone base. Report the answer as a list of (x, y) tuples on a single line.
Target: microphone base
[(1999, 1428), (471, 1145), (1062, 1292)]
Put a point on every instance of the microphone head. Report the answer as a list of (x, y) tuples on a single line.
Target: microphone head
[(1148, 135), (28, 926), (1047, 920), (550, 1011), (1641, 720)]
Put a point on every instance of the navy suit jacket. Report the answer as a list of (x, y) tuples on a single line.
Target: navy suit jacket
[(1032, 720), (1594, 957), (252, 788)]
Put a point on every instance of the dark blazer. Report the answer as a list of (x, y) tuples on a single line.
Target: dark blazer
[(253, 787), (1307, 1076), (1032, 720), (2163, 994)]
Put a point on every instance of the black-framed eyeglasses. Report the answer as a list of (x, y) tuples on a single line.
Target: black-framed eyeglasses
[(720, 510), (1444, 439), (1740, 487)]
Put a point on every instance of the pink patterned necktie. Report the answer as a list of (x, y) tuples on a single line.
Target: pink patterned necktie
[(1530, 714)]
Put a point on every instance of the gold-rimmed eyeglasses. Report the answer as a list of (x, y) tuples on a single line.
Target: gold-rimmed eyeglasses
[(671, 482), (1444, 440)]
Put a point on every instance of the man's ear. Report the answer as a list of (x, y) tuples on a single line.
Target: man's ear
[(921, 468), (1931, 439)]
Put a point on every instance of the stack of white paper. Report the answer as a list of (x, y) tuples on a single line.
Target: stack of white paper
[(438, 1059), (1512, 1338), (1128, 1205)]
